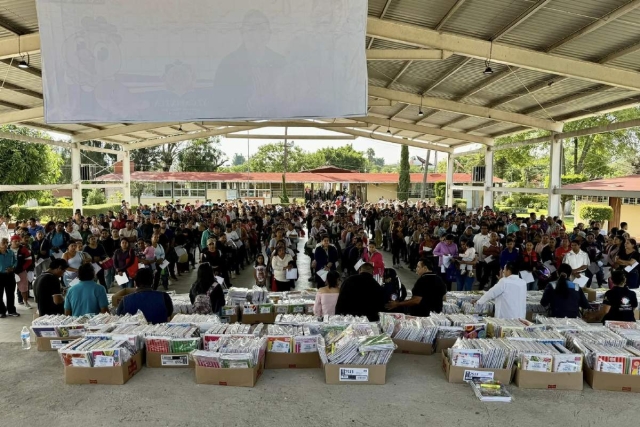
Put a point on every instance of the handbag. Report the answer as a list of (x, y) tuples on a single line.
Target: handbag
[(107, 264), (133, 270)]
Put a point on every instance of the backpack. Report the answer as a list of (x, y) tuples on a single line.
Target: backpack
[(202, 303)]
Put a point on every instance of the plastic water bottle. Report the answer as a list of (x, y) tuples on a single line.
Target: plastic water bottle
[(25, 337)]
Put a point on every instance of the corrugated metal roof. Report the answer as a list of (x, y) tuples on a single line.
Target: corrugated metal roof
[(483, 19), (476, 18)]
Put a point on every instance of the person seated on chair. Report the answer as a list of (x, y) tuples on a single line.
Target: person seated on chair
[(155, 305)]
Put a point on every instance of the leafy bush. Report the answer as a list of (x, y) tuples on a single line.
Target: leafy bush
[(53, 213), (439, 201), (596, 212), (460, 204), (45, 198), (96, 197), (63, 203), (116, 197)]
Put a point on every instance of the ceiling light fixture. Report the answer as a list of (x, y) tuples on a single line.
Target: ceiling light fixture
[(420, 112), (488, 70), (389, 127), (22, 64)]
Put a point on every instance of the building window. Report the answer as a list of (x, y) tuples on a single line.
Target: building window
[(189, 189), (593, 199), (213, 185)]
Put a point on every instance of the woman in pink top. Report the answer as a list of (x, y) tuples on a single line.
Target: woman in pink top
[(375, 258), (327, 296)]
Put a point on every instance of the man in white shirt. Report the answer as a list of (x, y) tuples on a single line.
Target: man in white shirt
[(509, 294), (577, 259), (479, 240)]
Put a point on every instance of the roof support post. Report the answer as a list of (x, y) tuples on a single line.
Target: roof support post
[(126, 175), (449, 181), (555, 176), (76, 178), (488, 178)]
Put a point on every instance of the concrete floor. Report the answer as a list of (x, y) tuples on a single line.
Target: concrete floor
[(33, 393)]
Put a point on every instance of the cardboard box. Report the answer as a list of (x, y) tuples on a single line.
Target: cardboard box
[(53, 343), (456, 374), (229, 377), (169, 360), (413, 347), (230, 314), (444, 343), (549, 380), (254, 319), (612, 382), (355, 374), (292, 360), (116, 375), (590, 294)]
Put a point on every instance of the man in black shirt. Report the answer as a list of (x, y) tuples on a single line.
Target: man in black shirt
[(361, 295), (427, 293), (47, 285)]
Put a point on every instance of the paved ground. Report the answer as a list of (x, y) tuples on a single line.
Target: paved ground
[(33, 393)]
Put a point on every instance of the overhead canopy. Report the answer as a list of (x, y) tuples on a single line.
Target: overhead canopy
[(552, 61)]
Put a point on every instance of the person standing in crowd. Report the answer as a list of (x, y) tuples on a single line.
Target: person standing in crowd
[(397, 243), (206, 294), (446, 248), (24, 265), (48, 291), (58, 240), (577, 259), (86, 297), (619, 302), (124, 259), (280, 264), (563, 298), (427, 294), (361, 295), (8, 263), (40, 254), (491, 253), (327, 296), (466, 263), (325, 257), (74, 259), (34, 227), (393, 289), (128, 232), (479, 240), (529, 262), (561, 251), (156, 306), (628, 261), (98, 255), (374, 257), (509, 294)]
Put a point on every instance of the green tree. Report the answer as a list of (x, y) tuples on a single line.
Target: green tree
[(96, 197), (201, 155), (404, 183), (270, 158), (342, 157), (146, 159), (138, 188), (26, 164), (238, 160)]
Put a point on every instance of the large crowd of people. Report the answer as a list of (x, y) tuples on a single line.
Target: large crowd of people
[(72, 264)]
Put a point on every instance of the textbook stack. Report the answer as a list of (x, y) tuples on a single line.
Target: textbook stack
[(168, 345), (412, 335), (358, 355), (100, 361), (230, 361)]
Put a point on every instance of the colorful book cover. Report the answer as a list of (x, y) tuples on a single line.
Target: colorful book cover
[(567, 362), (634, 365), (611, 364), (537, 362)]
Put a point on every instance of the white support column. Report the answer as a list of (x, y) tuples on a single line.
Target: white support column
[(76, 192), (449, 194), (555, 176), (126, 176), (488, 178)]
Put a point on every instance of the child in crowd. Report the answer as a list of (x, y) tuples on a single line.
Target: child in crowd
[(469, 255), (260, 271), (149, 255)]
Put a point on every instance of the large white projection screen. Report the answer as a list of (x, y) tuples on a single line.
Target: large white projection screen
[(177, 60)]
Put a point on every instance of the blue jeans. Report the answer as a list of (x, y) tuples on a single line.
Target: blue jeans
[(465, 283), (109, 275)]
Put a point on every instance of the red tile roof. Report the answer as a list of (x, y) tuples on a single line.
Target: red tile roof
[(623, 183), (299, 177)]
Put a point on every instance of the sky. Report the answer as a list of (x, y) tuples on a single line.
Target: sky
[(390, 151)]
